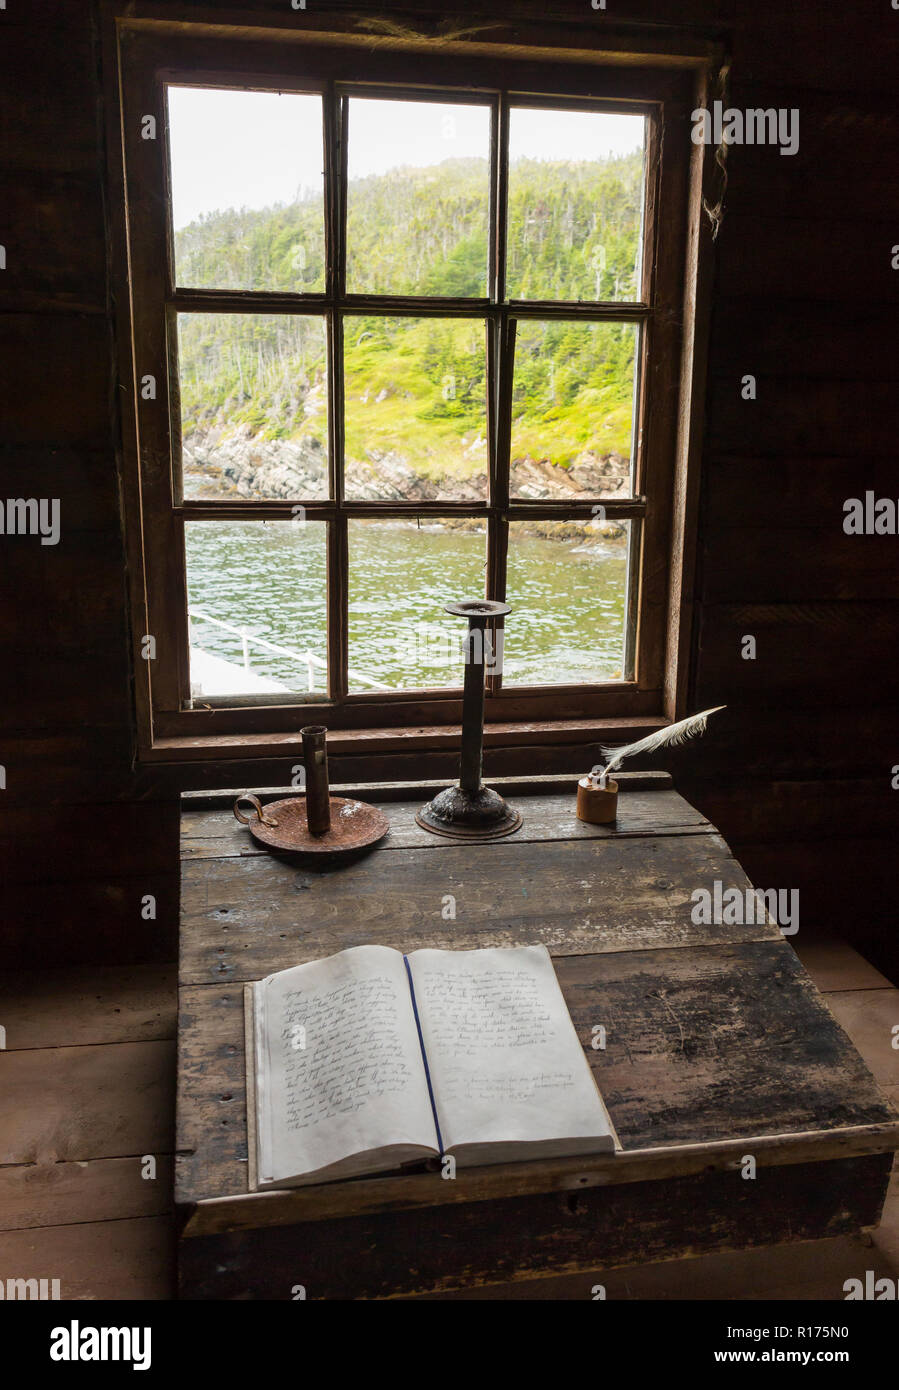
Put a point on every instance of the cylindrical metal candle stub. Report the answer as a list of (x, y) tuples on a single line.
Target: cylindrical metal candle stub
[(597, 805), (318, 796)]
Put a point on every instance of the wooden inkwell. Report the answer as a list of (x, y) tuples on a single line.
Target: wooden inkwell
[(597, 799), (469, 810), (317, 825)]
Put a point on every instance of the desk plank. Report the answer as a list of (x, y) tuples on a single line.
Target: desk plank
[(215, 834), (455, 1246), (243, 918), (726, 1041), (722, 1043)]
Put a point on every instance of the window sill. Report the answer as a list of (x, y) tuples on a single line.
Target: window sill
[(385, 754), (342, 742)]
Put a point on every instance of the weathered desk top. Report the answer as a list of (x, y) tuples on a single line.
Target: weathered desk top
[(715, 1035)]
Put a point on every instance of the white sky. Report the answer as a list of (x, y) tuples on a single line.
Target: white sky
[(252, 149)]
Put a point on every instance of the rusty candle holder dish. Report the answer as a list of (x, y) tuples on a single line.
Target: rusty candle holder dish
[(284, 825), (469, 810), (317, 825)]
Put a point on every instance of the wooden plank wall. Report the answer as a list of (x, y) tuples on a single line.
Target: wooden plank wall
[(797, 773), (78, 851)]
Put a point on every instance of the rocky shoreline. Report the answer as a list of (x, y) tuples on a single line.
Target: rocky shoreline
[(241, 465)]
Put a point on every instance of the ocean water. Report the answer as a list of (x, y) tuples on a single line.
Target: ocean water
[(269, 579)]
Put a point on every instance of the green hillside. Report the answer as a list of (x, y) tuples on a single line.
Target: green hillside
[(416, 386)]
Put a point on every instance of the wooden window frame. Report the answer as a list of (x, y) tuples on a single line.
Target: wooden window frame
[(151, 54)]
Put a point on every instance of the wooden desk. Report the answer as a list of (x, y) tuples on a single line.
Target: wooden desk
[(717, 1046)]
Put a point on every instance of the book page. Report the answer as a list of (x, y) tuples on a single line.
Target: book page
[(506, 1065), (339, 1071)]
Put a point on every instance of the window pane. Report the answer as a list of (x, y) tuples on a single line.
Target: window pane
[(254, 585), (402, 575), (417, 198), (575, 205), (567, 589), (247, 190), (572, 409), (415, 408), (254, 405)]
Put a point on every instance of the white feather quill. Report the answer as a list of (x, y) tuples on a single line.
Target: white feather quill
[(671, 736)]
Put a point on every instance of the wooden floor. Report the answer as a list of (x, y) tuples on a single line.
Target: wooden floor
[(87, 1097)]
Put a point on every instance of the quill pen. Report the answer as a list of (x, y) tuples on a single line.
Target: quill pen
[(671, 736)]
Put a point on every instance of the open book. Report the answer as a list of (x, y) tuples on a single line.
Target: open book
[(371, 1059)]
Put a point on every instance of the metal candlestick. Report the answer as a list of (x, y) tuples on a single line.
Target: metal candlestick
[(318, 826), (469, 810)]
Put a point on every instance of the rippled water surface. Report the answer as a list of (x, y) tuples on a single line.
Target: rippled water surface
[(269, 579)]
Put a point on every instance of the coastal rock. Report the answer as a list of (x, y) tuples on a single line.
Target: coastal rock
[(243, 465)]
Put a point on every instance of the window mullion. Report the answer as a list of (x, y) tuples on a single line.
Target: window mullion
[(342, 117), (338, 560), (335, 401), (332, 188), (504, 366), (632, 598), (500, 185), (498, 531), (338, 608), (498, 351)]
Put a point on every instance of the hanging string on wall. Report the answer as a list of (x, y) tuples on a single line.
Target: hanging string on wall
[(715, 211)]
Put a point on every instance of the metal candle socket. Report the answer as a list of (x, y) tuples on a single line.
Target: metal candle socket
[(315, 761), (469, 810)]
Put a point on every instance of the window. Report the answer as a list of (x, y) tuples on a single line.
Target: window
[(395, 343)]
